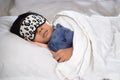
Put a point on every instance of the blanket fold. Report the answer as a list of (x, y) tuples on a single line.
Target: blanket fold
[(81, 43), (90, 43)]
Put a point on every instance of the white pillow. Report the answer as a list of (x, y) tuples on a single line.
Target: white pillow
[(21, 58)]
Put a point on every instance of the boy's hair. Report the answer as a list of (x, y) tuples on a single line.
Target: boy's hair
[(15, 28)]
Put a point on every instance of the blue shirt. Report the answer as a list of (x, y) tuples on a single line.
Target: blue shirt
[(61, 38)]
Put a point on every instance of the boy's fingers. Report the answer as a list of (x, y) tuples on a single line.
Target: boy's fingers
[(61, 60), (56, 56), (53, 53)]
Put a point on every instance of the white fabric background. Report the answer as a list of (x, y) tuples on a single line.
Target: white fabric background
[(49, 8), (15, 63)]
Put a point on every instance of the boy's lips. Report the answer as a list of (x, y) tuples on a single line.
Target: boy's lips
[(45, 33)]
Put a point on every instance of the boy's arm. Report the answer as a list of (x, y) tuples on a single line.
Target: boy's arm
[(63, 55), (39, 44)]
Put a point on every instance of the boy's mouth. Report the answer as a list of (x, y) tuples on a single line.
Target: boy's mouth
[(45, 33)]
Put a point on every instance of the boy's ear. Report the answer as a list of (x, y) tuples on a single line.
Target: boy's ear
[(47, 20)]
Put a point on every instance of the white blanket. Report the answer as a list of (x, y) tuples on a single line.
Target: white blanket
[(94, 55)]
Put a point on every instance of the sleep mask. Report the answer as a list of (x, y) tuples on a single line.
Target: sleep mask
[(30, 24)]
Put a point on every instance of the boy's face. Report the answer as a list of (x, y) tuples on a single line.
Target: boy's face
[(43, 33)]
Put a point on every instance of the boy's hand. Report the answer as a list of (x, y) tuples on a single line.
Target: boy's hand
[(63, 54), (39, 44)]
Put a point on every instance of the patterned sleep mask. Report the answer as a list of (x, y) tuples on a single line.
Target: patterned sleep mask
[(30, 24)]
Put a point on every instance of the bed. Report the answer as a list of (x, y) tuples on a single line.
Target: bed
[(96, 54)]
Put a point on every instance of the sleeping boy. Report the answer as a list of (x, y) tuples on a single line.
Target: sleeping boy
[(34, 27)]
